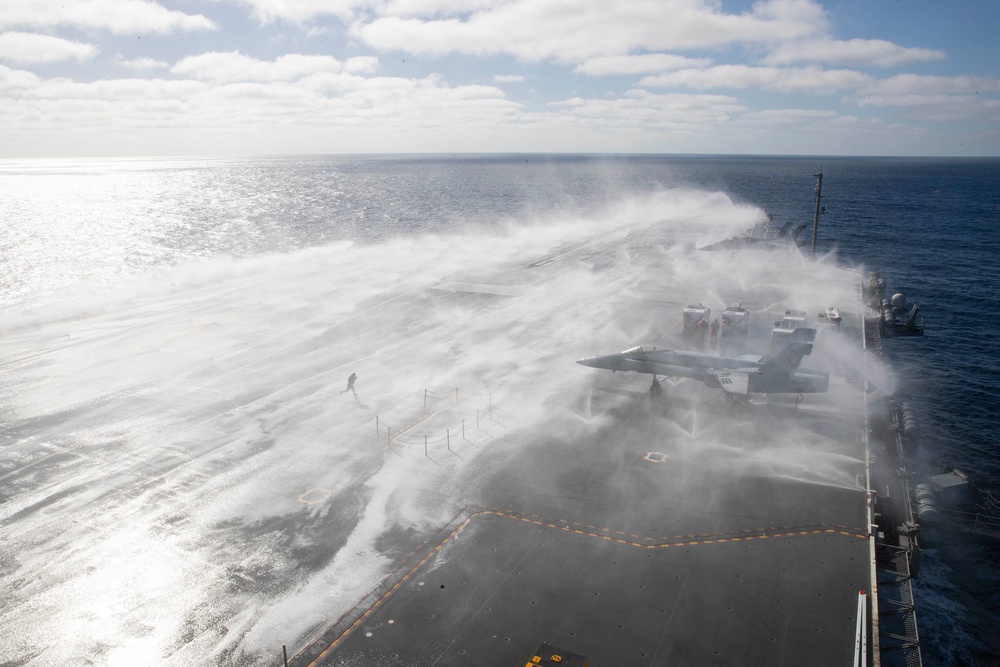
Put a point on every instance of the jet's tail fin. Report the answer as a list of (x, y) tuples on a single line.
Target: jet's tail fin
[(788, 354), (795, 233), (785, 230)]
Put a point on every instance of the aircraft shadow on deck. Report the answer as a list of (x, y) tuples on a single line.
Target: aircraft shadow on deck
[(673, 406)]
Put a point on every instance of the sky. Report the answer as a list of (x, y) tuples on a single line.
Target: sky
[(121, 78)]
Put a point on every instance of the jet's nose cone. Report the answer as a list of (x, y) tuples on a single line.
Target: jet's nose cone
[(608, 362)]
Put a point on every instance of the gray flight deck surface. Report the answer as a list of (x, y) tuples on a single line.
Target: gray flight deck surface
[(185, 481), (682, 529)]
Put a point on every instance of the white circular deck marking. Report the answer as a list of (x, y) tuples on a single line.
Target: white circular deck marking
[(313, 496), (656, 457)]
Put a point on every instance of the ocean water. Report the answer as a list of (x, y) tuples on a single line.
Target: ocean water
[(127, 285)]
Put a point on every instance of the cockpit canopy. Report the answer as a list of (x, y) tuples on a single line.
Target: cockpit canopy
[(642, 348)]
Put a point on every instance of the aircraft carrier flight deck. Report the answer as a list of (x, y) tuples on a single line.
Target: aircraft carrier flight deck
[(674, 528)]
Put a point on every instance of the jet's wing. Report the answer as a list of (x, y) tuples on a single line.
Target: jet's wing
[(734, 382)]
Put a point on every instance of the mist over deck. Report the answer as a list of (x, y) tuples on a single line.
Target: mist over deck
[(184, 457), (679, 528)]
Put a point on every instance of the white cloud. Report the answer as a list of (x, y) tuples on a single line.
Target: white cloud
[(256, 114), (12, 80), (642, 108), (536, 30), (115, 90), (331, 82), (938, 99), (300, 11), (361, 65), (432, 7), (906, 84), (939, 108), (800, 121), (310, 103), (793, 131), (934, 98), (124, 17), (872, 52), (791, 10), (280, 92), (25, 48), (140, 64), (791, 116), (233, 66), (639, 64), (804, 79)]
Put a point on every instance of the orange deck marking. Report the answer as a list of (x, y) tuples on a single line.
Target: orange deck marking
[(682, 540)]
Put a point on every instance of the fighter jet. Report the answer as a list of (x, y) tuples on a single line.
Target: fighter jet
[(777, 372)]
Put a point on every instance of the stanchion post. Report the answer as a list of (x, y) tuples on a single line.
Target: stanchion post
[(425, 444), (425, 398), (284, 654), (463, 428), (376, 425)]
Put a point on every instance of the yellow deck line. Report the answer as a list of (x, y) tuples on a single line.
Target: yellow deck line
[(684, 540)]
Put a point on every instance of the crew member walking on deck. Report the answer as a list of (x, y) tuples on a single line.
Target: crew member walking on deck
[(350, 384), (715, 329)]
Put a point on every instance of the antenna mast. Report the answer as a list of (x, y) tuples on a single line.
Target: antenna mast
[(819, 189)]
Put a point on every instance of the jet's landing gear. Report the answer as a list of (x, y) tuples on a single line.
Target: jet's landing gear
[(656, 388)]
